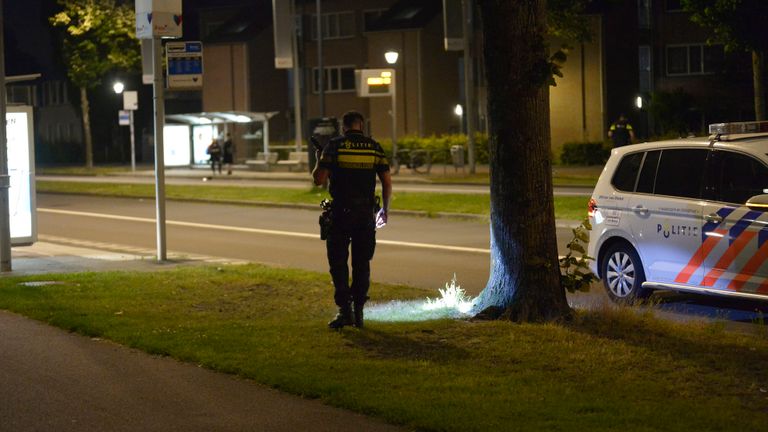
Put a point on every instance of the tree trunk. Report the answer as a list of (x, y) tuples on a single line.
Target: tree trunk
[(757, 78), (86, 128), (524, 284)]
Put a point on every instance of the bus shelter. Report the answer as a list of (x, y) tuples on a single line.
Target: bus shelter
[(187, 136)]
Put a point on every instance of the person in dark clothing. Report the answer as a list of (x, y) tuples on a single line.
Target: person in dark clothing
[(229, 154), (352, 162), (621, 132), (214, 151)]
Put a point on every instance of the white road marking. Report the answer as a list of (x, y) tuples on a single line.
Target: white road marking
[(257, 230)]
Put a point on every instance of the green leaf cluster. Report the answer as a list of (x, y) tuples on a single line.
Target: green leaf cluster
[(738, 24), (575, 274), (99, 36)]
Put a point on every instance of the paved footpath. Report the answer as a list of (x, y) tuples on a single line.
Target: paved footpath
[(52, 380)]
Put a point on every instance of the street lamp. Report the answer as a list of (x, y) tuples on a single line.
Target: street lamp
[(391, 58), (118, 87), (459, 111)]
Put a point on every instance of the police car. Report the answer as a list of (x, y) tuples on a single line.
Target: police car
[(686, 215)]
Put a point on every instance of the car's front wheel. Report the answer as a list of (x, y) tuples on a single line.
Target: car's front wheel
[(623, 274)]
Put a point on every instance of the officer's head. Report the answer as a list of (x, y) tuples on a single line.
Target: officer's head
[(352, 120)]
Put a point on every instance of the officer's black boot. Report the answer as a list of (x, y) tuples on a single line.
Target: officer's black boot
[(343, 318), (357, 315)]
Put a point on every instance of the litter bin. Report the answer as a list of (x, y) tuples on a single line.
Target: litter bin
[(457, 157)]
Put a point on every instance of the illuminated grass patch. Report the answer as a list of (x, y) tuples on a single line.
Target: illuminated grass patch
[(452, 303)]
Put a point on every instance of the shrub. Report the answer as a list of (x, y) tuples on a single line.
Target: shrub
[(439, 146), (585, 153)]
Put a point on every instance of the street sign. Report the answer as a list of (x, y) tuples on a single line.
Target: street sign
[(130, 100), (158, 19), (124, 118), (185, 64), (375, 82)]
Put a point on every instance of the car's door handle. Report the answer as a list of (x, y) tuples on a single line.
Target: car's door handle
[(640, 210), (713, 217)]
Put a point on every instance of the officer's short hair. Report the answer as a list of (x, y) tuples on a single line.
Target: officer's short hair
[(351, 117)]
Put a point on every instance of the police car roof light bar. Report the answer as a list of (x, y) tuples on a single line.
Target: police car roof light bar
[(738, 128)]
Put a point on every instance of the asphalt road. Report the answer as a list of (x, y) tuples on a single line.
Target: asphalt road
[(420, 252)]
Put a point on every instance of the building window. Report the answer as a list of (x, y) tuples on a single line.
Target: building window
[(674, 5), (644, 63), (55, 93), (370, 16), (337, 79), (336, 25), (644, 14), (698, 59)]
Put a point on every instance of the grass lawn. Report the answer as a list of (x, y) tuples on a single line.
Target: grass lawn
[(606, 370), (572, 208)]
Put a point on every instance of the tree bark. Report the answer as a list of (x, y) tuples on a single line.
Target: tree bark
[(757, 78), (86, 128), (524, 284)]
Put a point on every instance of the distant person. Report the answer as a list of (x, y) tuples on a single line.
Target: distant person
[(229, 154), (352, 162), (621, 132), (214, 151)]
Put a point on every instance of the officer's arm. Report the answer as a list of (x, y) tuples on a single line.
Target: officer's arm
[(386, 189), (320, 175)]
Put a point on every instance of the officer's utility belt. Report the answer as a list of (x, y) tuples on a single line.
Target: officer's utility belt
[(330, 206)]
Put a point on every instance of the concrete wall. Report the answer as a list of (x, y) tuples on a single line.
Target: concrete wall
[(576, 103)]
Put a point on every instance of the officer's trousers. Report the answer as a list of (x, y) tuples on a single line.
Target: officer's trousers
[(358, 229)]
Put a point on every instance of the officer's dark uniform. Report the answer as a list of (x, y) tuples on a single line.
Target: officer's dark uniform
[(353, 161), (620, 133)]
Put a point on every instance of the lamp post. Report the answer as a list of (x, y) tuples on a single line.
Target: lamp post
[(391, 57), (459, 111), (130, 104)]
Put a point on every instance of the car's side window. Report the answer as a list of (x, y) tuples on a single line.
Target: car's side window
[(648, 172), (626, 174), (738, 177), (680, 173)]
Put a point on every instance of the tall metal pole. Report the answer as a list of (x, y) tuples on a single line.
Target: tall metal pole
[(159, 102), (469, 83), (395, 162), (133, 144), (320, 75), (298, 132), (5, 180)]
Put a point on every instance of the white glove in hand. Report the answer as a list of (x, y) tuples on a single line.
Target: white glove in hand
[(381, 219)]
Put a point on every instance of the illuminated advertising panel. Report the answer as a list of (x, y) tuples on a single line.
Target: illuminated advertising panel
[(21, 164), (203, 135), (176, 145)]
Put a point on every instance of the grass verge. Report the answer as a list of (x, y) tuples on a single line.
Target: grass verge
[(607, 370), (571, 208)]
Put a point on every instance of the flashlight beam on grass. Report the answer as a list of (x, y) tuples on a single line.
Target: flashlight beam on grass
[(452, 303)]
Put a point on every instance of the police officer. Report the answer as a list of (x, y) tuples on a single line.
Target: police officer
[(352, 162), (621, 132)]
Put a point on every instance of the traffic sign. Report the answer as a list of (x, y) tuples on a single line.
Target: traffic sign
[(124, 118), (185, 64)]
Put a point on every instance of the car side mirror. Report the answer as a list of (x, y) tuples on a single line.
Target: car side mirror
[(758, 202)]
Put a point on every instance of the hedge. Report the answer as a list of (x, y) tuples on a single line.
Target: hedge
[(585, 153)]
